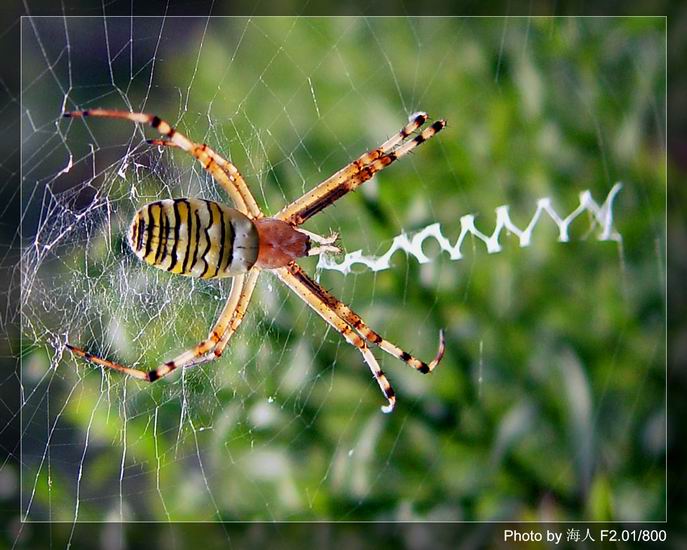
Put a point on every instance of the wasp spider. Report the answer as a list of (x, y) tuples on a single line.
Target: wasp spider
[(201, 238)]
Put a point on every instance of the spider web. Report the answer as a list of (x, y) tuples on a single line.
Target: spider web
[(549, 403)]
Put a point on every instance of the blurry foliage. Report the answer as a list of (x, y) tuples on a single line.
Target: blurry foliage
[(550, 401)]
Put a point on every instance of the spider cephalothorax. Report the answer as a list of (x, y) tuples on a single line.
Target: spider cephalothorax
[(202, 238)]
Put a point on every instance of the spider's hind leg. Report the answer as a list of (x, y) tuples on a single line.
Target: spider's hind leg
[(221, 170)]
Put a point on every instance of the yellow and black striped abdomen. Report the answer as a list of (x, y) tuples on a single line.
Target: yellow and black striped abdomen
[(194, 237)]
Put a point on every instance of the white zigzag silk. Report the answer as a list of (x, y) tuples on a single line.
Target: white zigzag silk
[(412, 243)]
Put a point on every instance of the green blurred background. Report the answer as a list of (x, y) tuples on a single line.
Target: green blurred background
[(550, 402)]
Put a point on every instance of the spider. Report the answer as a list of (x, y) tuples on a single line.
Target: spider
[(206, 239)]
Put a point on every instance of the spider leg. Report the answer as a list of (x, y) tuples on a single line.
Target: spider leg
[(328, 186), (189, 358), (228, 168), (244, 300), (238, 314), (355, 174), (220, 169), (79, 352), (354, 320), (203, 352), (353, 338)]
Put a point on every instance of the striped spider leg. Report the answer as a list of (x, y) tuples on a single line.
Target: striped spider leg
[(206, 239), (359, 171), (231, 172), (223, 171), (344, 320), (227, 323)]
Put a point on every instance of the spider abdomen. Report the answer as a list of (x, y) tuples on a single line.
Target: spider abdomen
[(194, 237)]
